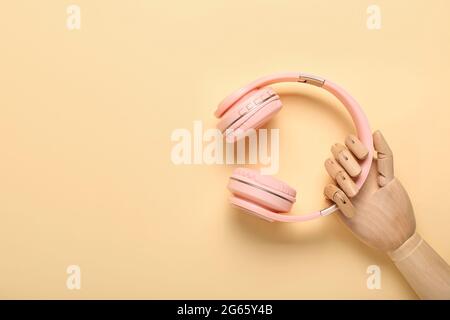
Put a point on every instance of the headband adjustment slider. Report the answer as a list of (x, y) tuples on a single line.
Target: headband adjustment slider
[(310, 79)]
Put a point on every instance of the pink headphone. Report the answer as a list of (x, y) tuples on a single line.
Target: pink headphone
[(251, 107)]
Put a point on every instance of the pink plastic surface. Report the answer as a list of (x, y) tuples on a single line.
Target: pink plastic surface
[(362, 128), (255, 117), (274, 184)]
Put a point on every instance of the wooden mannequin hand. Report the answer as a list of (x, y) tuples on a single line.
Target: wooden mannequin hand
[(381, 215)]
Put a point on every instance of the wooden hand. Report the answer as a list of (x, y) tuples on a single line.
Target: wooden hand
[(381, 215)]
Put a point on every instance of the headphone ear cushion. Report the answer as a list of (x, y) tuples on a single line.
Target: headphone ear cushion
[(263, 191)]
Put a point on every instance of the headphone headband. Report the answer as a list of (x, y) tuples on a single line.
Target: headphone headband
[(359, 119), (266, 81)]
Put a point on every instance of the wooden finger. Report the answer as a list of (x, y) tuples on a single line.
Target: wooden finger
[(333, 168), (346, 159), (347, 184), (385, 159), (338, 173), (356, 147), (342, 201)]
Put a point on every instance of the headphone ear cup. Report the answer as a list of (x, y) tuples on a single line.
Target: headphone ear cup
[(252, 111), (252, 208), (262, 191)]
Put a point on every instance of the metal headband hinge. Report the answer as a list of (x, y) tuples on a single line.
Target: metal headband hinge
[(310, 79)]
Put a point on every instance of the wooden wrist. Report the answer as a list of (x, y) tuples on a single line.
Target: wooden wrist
[(407, 248), (426, 272)]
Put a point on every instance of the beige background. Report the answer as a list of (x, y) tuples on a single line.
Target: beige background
[(85, 122)]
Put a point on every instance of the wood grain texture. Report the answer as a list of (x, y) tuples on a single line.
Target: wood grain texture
[(340, 198), (356, 147), (426, 272), (386, 219)]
